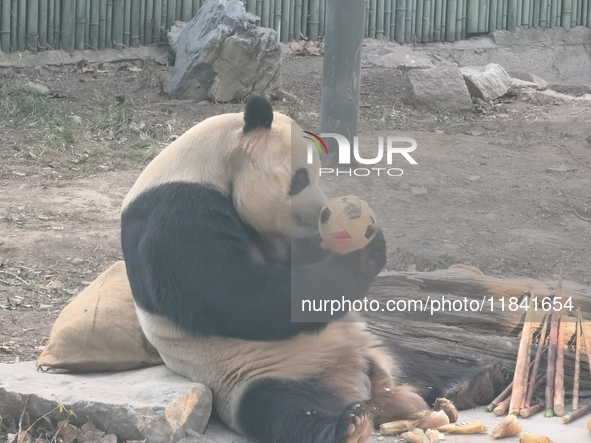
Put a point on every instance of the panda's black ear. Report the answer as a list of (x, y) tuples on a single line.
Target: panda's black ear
[(257, 114)]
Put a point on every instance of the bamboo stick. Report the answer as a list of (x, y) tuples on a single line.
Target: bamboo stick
[(585, 18), (464, 20), (118, 27), (79, 26), (314, 22), (366, 19), (567, 14), (550, 372), (187, 9), (482, 16), (432, 21), (272, 16), (292, 20), (93, 37), (450, 27), (502, 407), (157, 19), (543, 14), (559, 374), (305, 14), (380, 19), (588, 14), (277, 17), (531, 410), (400, 20), (285, 21), (505, 14), (372, 19), (408, 20), (536, 14), (163, 16), (443, 20), (393, 20), (576, 13), (134, 38), (57, 27), (492, 18), (472, 16), (87, 24), (267, 10), (568, 418), (500, 398), (522, 365), (512, 15), (388, 18), (322, 16), (519, 13), (32, 21), (5, 26), (413, 27), (536, 363), (109, 24), (21, 27), (50, 23), (102, 30), (297, 22), (577, 375), (419, 21), (525, 13), (42, 26), (553, 14)]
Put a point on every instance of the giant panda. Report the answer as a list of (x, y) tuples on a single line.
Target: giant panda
[(219, 235)]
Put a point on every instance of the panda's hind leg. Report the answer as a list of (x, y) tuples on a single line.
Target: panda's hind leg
[(286, 411)]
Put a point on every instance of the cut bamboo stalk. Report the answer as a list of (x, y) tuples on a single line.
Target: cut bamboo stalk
[(528, 362), (525, 13), (559, 374), (388, 18), (32, 21), (291, 20), (550, 372), (134, 38), (322, 16), (118, 13), (50, 23), (492, 17), (472, 16), (408, 20), (400, 19), (502, 407), (5, 26), (21, 28), (68, 25), (109, 25), (314, 22), (558, 13), (80, 27), (42, 26), (451, 22), (500, 398), (536, 363), (157, 19), (305, 14), (372, 19), (413, 23), (285, 21), (187, 8), (297, 22), (577, 361), (93, 37), (567, 14), (531, 410), (482, 16), (522, 365), (569, 418), (102, 19), (380, 19), (170, 13), (87, 24)]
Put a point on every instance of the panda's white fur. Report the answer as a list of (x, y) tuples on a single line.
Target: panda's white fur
[(208, 235)]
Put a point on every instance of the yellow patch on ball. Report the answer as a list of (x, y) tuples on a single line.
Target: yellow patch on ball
[(347, 224)]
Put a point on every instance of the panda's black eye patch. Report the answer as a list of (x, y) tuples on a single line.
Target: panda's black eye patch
[(299, 181)]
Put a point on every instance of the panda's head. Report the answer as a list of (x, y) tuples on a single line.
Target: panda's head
[(276, 183)]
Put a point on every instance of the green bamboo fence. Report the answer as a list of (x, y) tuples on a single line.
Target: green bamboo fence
[(39, 25)]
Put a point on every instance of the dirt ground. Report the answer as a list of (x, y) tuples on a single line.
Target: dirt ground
[(491, 187)]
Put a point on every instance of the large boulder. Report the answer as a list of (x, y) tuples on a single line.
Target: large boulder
[(223, 55), (441, 88), (486, 82)]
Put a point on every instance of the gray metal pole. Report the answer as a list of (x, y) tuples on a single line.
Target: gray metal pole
[(342, 72)]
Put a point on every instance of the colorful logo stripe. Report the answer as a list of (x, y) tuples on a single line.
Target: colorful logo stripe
[(317, 141)]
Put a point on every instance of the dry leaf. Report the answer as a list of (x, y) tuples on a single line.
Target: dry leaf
[(67, 430)]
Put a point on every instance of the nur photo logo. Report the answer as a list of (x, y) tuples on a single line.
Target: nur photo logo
[(393, 145)]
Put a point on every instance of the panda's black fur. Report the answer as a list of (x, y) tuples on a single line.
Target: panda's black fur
[(214, 292)]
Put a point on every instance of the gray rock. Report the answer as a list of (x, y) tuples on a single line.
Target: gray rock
[(438, 89), (520, 84), (548, 97), (152, 403), (401, 57), (532, 78), (576, 90), (486, 82), (37, 88), (224, 56), (174, 33)]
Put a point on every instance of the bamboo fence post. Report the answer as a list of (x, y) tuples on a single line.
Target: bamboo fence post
[(93, 33), (314, 22), (536, 14), (543, 23), (5, 26), (492, 18), (142, 22), (585, 19), (588, 15), (179, 9), (32, 22), (68, 25), (109, 25), (196, 8), (566, 14), (372, 19), (458, 19), (443, 19), (450, 27), (482, 16), (87, 24), (553, 8), (187, 9), (305, 14), (13, 16), (472, 16), (408, 20), (388, 19), (437, 26), (50, 23), (157, 19), (21, 27), (380, 19), (576, 13), (432, 21), (419, 21), (511, 15), (297, 25), (393, 19), (525, 12), (134, 38), (42, 26), (272, 16), (163, 16), (80, 24), (102, 20), (519, 11), (322, 17), (259, 9), (285, 21), (170, 13), (118, 13), (505, 14), (292, 20), (277, 16), (464, 19), (400, 19), (413, 27)]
